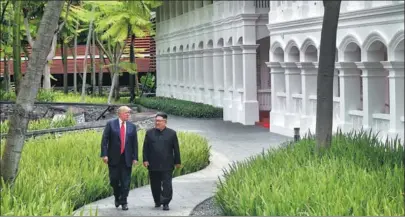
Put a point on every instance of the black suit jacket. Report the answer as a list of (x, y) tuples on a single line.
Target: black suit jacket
[(161, 149), (111, 143)]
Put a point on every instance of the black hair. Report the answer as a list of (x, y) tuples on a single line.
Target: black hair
[(161, 114)]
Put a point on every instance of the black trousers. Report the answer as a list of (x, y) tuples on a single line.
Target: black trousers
[(120, 179), (161, 185)]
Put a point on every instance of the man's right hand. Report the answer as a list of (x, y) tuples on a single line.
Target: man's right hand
[(105, 159), (146, 164)]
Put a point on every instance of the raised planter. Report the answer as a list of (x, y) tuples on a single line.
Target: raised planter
[(143, 122)]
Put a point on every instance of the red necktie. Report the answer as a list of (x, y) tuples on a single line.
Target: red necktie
[(122, 132)]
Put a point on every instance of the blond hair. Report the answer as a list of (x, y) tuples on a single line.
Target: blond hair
[(122, 109)]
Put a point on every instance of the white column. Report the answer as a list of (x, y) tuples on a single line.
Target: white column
[(237, 76), (228, 84), (293, 86), (218, 62), (199, 70), (208, 76), (158, 76), (277, 102), (191, 62), (309, 84), (179, 76), (173, 82), (250, 103), (164, 74), (373, 90), (185, 79), (349, 92), (396, 83)]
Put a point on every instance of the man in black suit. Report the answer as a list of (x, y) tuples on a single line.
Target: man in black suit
[(119, 149), (161, 153)]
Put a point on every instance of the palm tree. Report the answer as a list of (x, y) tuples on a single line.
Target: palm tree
[(324, 108), (116, 21)]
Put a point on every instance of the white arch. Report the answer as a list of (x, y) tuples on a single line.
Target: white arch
[(371, 38), (275, 45), (290, 44), (350, 38), (307, 43), (394, 43)]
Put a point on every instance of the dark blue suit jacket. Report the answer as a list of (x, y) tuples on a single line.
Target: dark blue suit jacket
[(111, 143)]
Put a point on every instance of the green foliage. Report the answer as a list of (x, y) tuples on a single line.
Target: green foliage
[(42, 124), (59, 96), (180, 107), (148, 80), (358, 176), (59, 175)]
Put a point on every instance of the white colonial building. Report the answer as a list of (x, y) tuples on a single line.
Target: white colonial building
[(258, 56)]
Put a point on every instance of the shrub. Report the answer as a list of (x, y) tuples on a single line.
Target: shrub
[(358, 176), (59, 175), (44, 123), (180, 107)]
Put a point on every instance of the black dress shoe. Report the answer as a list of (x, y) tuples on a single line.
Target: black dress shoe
[(157, 204), (117, 203), (124, 207), (165, 207)]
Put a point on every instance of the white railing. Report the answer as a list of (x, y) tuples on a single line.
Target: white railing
[(336, 109), (312, 105), (281, 101), (381, 124), (264, 98), (297, 103), (356, 117)]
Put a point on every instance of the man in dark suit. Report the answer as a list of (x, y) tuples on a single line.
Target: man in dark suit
[(161, 153), (119, 149)]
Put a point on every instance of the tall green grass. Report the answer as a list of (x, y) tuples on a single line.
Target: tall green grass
[(358, 176), (42, 124), (60, 174)]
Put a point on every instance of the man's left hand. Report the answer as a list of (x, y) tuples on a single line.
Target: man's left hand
[(178, 165), (134, 162)]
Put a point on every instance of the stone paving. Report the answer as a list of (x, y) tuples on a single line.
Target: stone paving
[(229, 142)]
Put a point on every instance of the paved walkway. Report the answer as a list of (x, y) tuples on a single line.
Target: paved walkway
[(229, 142)]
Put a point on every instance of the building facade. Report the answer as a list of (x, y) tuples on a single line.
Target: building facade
[(252, 56)]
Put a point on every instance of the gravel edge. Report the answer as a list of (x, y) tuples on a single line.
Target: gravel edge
[(207, 208)]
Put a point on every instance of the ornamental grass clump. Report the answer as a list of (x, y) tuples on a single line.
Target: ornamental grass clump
[(57, 175), (358, 176)]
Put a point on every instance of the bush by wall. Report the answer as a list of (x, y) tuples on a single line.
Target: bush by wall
[(180, 107), (59, 175), (359, 176)]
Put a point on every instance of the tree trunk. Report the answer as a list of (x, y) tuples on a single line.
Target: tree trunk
[(46, 83), (28, 92), (324, 108), (6, 75), (115, 77), (93, 71), (75, 61), (85, 55), (132, 60), (17, 46), (100, 74), (65, 66)]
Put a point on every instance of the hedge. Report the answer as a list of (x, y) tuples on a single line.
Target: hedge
[(358, 176), (60, 174), (180, 107)]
